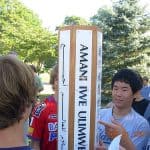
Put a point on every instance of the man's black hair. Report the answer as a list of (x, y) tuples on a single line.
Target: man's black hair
[(130, 77)]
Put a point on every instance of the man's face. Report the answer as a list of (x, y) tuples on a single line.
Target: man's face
[(122, 94)]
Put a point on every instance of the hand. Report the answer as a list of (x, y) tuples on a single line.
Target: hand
[(121, 148), (100, 146), (114, 129)]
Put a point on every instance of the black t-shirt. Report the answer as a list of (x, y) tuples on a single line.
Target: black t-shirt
[(140, 106)]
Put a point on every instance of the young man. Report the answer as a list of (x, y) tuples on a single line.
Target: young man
[(17, 92), (122, 119), (43, 125)]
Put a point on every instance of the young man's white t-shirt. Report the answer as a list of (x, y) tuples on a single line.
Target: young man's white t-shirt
[(136, 126)]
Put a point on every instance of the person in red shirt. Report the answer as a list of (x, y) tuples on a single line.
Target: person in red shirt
[(43, 124)]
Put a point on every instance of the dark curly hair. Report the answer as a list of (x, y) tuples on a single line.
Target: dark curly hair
[(129, 76)]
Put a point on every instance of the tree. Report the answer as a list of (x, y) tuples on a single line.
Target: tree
[(75, 20), (124, 44), (22, 31)]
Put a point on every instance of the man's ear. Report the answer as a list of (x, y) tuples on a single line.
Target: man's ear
[(135, 95)]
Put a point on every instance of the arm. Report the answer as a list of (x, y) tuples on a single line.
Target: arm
[(100, 146), (35, 145), (114, 129), (36, 126)]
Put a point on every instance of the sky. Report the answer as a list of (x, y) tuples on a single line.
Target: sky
[(53, 12)]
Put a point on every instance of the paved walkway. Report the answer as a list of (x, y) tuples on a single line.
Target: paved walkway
[(47, 89)]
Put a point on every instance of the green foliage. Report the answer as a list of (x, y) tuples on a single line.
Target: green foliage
[(75, 20), (21, 30), (125, 42)]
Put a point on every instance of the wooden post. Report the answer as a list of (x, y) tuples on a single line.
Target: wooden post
[(80, 65)]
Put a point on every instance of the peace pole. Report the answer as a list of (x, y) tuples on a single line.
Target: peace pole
[(80, 68)]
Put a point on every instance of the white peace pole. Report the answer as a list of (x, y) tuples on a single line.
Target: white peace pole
[(80, 67)]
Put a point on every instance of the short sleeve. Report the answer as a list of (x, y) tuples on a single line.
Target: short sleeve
[(37, 122)]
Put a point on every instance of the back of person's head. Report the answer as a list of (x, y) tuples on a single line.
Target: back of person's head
[(17, 90), (130, 77), (54, 75), (33, 68)]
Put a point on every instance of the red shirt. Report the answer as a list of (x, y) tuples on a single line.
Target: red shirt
[(43, 124)]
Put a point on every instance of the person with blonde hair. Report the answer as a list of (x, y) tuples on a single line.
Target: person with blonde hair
[(17, 92), (38, 81), (43, 125)]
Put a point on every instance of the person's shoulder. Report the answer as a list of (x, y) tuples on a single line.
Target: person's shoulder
[(139, 119), (105, 111), (105, 114), (146, 88), (50, 99), (39, 109), (147, 102), (50, 102), (135, 115), (17, 148), (144, 101)]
